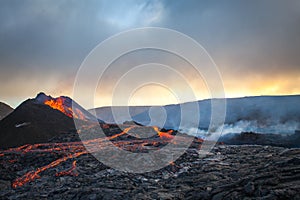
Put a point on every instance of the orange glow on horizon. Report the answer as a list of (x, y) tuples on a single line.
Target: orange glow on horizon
[(234, 86)]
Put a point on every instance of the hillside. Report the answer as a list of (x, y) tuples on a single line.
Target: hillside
[(5, 110), (263, 114)]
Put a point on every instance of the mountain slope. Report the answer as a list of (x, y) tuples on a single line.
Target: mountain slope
[(106, 113), (4, 110), (261, 113), (66, 105), (34, 121)]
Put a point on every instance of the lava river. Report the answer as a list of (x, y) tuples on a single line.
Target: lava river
[(69, 151)]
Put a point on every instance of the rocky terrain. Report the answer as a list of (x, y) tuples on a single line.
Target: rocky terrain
[(228, 172), (43, 156), (287, 140)]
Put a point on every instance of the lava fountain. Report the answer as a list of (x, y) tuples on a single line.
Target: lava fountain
[(60, 104)]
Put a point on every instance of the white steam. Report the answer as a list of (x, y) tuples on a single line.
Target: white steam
[(288, 127)]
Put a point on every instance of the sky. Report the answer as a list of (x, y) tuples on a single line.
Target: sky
[(255, 45)]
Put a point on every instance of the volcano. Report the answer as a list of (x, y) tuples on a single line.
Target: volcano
[(40, 119), (65, 105)]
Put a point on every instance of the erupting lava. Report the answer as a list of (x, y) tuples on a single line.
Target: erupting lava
[(59, 104), (164, 135), (72, 150)]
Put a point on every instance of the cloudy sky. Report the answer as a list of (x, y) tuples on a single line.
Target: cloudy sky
[(255, 44)]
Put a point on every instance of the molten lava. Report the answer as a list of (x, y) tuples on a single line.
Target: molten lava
[(72, 150), (69, 172), (59, 104), (164, 135)]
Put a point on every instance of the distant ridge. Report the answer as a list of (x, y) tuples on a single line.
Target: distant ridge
[(5, 110), (107, 115), (260, 111)]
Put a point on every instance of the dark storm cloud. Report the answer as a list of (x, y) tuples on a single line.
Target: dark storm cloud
[(48, 39), (61, 33), (47, 33), (243, 35)]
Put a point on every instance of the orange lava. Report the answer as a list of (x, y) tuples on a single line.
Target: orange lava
[(58, 104), (61, 147), (32, 175), (12, 161), (70, 172), (72, 150), (164, 135)]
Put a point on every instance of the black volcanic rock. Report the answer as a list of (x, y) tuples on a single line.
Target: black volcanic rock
[(132, 123), (289, 141), (5, 110), (32, 122), (227, 172)]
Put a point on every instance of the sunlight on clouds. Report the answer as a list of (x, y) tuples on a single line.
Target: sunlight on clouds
[(47, 42), (153, 95), (256, 86)]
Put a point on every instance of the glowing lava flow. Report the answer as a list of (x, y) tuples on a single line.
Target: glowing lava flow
[(72, 150), (32, 175), (59, 104), (164, 135), (69, 147), (69, 172)]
